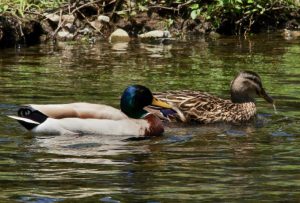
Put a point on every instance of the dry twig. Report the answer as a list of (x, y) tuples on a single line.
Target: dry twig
[(91, 23)]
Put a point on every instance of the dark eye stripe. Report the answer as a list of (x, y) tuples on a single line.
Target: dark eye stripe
[(251, 73), (255, 80)]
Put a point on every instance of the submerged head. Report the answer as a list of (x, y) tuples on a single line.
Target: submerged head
[(246, 86), (135, 98)]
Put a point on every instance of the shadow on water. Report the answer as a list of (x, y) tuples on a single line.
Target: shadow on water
[(254, 162)]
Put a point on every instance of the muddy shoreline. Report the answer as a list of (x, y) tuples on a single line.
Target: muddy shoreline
[(86, 23)]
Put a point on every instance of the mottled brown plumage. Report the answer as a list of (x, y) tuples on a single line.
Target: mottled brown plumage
[(206, 108)]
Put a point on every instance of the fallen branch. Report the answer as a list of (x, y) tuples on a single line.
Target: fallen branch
[(185, 4), (34, 13), (84, 5), (164, 8), (91, 23), (251, 22), (60, 23)]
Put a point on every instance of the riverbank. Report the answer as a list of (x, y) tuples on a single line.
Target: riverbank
[(93, 20)]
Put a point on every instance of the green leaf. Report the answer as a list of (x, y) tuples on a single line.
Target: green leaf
[(250, 1), (121, 13), (142, 8), (221, 3), (237, 7), (259, 6), (132, 13), (194, 6), (195, 14), (262, 11), (5, 7), (20, 12)]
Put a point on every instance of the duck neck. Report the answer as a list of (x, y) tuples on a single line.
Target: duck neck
[(137, 114), (241, 98), (156, 127)]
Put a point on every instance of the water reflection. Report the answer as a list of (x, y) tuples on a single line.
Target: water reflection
[(120, 46), (87, 148), (256, 162)]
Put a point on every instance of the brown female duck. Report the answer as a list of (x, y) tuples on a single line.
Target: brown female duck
[(206, 108)]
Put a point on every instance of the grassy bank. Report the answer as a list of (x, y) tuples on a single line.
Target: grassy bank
[(233, 17), (21, 8)]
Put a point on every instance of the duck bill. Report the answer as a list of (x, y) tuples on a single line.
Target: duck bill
[(264, 95), (159, 103)]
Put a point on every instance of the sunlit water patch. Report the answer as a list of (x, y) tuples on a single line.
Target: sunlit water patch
[(258, 161)]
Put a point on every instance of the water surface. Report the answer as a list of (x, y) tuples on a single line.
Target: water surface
[(219, 163)]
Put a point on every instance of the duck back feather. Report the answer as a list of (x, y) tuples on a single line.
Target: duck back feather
[(205, 108)]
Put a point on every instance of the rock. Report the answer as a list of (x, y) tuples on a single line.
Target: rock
[(92, 40), (85, 31), (43, 38), (68, 25), (103, 18), (120, 46), (214, 35), (77, 23), (45, 24), (68, 18), (291, 34), (53, 17), (64, 35), (119, 35), (96, 24), (156, 34)]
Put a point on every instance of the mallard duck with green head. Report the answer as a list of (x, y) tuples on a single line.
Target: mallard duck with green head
[(205, 108), (87, 118)]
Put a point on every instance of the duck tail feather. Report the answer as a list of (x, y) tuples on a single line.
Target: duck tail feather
[(31, 114), (25, 122), (29, 117)]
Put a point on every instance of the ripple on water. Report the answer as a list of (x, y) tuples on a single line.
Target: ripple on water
[(236, 133), (222, 163), (37, 199), (281, 133), (109, 200)]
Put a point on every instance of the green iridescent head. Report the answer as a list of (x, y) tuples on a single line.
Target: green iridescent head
[(135, 98)]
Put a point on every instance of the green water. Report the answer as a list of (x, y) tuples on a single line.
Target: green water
[(224, 163)]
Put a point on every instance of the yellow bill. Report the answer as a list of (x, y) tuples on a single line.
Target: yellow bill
[(159, 103)]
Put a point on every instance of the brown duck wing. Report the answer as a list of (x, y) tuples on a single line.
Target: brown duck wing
[(205, 108), (191, 103), (208, 109)]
